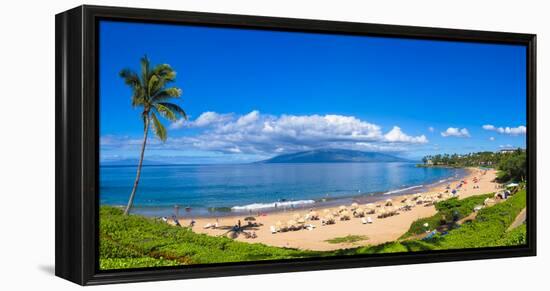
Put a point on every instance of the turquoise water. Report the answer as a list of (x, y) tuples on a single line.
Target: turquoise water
[(207, 189)]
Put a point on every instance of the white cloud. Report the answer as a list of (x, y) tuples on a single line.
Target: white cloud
[(264, 134), (431, 129), (396, 135), (208, 118), (506, 130), (492, 138), (454, 131)]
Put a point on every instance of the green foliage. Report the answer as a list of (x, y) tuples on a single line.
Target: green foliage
[(514, 237), (448, 210), (347, 239), (417, 227), (468, 160), (513, 167), (500, 160), (134, 240), (128, 263), (488, 228)]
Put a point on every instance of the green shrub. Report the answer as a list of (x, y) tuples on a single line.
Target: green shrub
[(515, 237), (448, 210)]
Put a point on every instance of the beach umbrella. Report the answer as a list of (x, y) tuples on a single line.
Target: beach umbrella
[(354, 205), (249, 218), (389, 202), (342, 208)]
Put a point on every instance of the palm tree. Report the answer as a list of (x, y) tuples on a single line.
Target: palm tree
[(150, 93)]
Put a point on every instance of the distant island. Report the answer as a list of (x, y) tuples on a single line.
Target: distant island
[(334, 156)]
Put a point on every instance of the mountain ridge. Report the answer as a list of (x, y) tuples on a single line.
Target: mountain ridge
[(334, 156)]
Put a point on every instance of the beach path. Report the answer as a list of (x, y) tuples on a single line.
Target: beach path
[(520, 219)]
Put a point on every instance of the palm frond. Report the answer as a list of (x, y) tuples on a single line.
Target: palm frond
[(144, 62), (165, 72), (152, 84), (166, 94), (158, 128), (138, 100), (130, 78), (174, 108), (165, 111)]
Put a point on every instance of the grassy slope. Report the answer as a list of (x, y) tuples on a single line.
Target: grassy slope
[(446, 211), (134, 241)]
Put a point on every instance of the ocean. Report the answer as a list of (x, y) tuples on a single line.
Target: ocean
[(214, 190)]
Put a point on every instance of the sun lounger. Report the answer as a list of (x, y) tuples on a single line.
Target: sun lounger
[(273, 229), (369, 220), (207, 226), (364, 220)]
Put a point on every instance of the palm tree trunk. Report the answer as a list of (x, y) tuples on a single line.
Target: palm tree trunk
[(131, 200)]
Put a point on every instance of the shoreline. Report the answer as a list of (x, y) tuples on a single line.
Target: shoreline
[(294, 205), (380, 231)]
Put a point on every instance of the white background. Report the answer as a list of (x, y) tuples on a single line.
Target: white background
[(27, 144)]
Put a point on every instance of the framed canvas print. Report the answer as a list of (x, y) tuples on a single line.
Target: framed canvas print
[(198, 145)]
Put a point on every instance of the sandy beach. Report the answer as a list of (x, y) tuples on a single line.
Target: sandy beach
[(379, 231)]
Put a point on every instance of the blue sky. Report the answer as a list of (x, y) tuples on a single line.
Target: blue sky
[(253, 94)]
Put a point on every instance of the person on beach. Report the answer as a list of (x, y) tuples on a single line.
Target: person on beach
[(176, 221), (239, 223)]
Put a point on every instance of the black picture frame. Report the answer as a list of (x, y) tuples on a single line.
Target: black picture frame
[(77, 143)]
